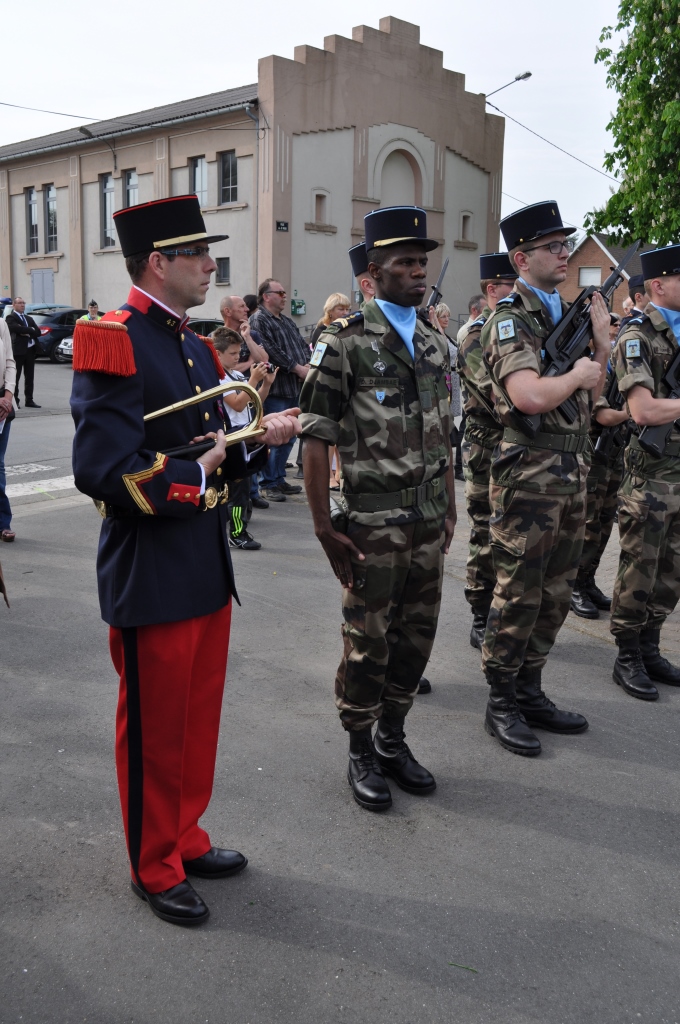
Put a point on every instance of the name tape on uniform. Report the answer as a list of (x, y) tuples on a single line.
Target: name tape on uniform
[(633, 349), (319, 353), (506, 330)]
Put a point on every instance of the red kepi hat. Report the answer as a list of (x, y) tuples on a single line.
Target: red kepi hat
[(162, 224)]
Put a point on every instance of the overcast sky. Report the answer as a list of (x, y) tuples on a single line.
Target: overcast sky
[(102, 60)]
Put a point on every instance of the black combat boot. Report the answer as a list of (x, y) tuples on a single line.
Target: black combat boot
[(658, 668), (397, 761), (539, 711), (505, 721), (424, 685), (364, 773), (630, 671), (581, 602), (591, 589)]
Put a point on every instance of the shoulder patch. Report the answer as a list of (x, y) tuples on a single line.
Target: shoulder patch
[(103, 346), (508, 300), (633, 348), (318, 353), (479, 322), (347, 321), (506, 330)]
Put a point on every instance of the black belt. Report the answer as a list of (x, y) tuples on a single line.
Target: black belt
[(407, 498), (573, 443), (671, 448)]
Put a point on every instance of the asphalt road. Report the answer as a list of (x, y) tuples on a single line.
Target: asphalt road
[(524, 891)]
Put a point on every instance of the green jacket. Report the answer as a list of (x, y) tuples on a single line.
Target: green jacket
[(389, 418)]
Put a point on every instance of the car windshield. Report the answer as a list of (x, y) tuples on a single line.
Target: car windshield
[(40, 318)]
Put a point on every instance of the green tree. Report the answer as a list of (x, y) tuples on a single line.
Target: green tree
[(645, 72)]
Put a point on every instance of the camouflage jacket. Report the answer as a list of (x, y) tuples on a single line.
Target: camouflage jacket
[(471, 367), (389, 418), (644, 350), (513, 339)]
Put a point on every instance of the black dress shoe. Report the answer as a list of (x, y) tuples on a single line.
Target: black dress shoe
[(504, 720), (32, 405), (259, 503), (216, 863), (582, 605), (539, 711), (659, 669), (630, 672), (287, 488), (599, 599), (397, 761), (364, 774), (179, 905), (424, 686), (478, 629)]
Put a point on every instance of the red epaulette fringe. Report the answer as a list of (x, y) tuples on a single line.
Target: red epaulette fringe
[(102, 347), (216, 358)]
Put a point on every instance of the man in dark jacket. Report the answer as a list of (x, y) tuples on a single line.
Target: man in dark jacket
[(24, 332), (164, 569)]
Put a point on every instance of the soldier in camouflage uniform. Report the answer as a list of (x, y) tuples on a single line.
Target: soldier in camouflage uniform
[(377, 389), (648, 580), (608, 436), (537, 483), (483, 431)]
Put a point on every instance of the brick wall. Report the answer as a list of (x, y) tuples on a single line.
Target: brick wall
[(590, 255)]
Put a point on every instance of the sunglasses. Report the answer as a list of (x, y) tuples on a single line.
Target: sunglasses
[(272, 292)]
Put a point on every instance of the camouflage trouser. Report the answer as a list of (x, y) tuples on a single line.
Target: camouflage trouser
[(390, 619), (536, 541), (602, 488), (480, 577), (648, 580)]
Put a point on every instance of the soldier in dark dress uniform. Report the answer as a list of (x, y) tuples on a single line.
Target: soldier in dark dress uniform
[(163, 568)]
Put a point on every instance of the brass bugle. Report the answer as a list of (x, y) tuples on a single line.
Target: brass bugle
[(247, 433)]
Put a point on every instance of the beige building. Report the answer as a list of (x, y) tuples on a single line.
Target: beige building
[(287, 167)]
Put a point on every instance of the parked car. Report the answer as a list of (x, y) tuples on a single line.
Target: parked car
[(32, 307), (55, 323), (64, 351), (204, 327)]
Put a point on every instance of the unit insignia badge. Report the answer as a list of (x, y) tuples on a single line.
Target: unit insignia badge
[(319, 352), (379, 367), (633, 349), (506, 330), (380, 395)]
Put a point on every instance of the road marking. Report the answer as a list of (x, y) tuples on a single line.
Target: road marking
[(29, 467), (60, 483)]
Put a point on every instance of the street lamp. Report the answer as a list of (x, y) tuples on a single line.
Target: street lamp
[(518, 78), (88, 135)]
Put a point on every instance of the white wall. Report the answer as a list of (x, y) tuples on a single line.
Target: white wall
[(319, 261), (466, 188)]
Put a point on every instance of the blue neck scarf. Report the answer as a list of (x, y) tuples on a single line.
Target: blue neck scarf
[(551, 300), (403, 319), (672, 318)]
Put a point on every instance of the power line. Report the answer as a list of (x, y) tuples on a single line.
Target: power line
[(57, 113), (554, 145)]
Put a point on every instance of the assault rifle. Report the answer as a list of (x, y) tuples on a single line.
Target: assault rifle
[(653, 439), (436, 294), (570, 340), (616, 436)]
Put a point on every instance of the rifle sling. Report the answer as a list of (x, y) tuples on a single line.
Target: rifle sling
[(572, 443)]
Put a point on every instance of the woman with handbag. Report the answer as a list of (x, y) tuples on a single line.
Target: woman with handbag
[(8, 375)]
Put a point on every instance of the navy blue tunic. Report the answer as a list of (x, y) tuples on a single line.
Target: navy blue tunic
[(171, 561)]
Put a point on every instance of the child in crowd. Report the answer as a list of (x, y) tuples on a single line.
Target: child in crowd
[(237, 405)]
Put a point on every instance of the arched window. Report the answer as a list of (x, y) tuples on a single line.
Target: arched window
[(398, 184)]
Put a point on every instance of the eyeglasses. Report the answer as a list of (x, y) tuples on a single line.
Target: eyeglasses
[(271, 292), (201, 251), (554, 247)]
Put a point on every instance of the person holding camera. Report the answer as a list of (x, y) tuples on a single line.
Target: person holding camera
[(237, 406)]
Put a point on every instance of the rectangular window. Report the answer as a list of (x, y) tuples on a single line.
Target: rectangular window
[(108, 233), (50, 194), (31, 221), (228, 190), (223, 270), (131, 188), (320, 208), (466, 227), (198, 169), (588, 276)]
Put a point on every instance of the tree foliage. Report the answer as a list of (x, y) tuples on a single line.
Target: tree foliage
[(645, 72)]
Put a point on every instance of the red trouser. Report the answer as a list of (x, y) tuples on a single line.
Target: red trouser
[(171, 685)]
